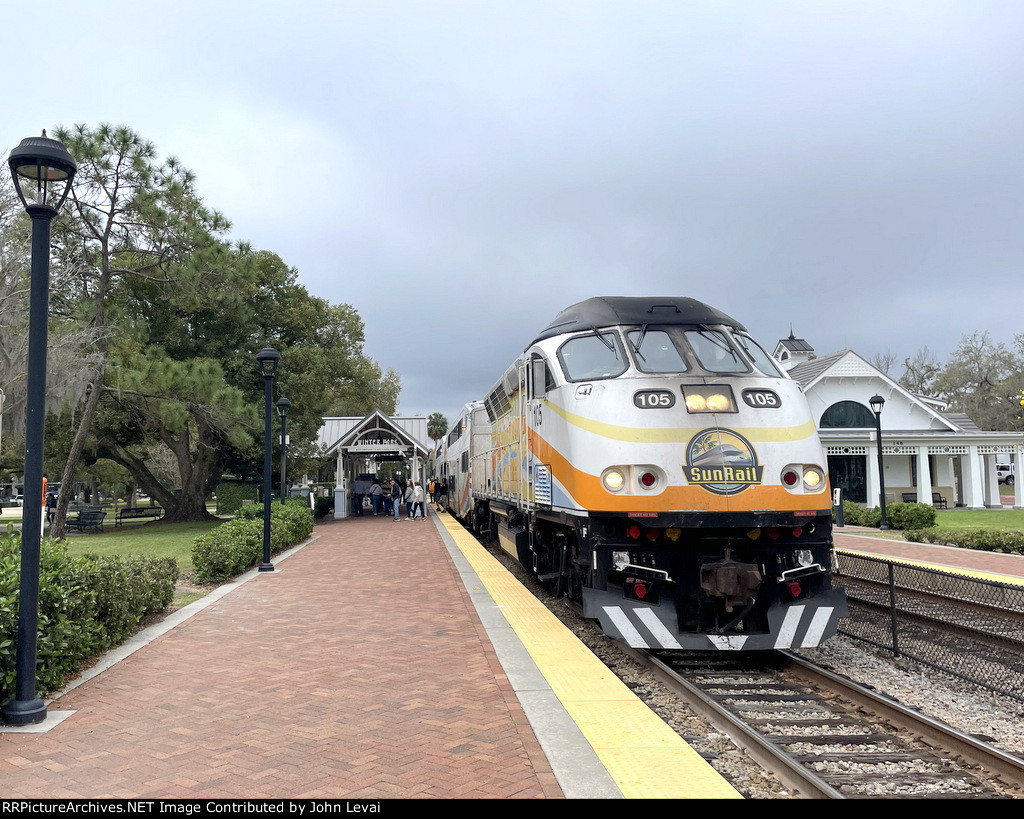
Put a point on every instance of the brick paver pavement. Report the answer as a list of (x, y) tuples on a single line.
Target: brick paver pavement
[(860, 540), (359, 670)]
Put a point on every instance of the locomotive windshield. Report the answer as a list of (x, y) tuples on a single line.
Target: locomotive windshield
[(598, 355), (655, 352), (714, 351), (764, 362)]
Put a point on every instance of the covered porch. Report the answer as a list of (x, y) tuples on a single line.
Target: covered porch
[(923, 466), (359, 446)]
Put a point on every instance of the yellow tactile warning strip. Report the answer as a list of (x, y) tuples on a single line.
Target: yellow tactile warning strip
[(994, 577), (644, 756)]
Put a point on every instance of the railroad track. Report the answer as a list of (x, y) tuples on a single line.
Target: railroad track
[(827, 738)]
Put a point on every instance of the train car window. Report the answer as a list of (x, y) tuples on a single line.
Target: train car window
[(549, 377), (655, 352), (593, 356), (714, 351), (764, 362)]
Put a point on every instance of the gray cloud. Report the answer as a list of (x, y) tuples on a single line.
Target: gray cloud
[(460, 171)]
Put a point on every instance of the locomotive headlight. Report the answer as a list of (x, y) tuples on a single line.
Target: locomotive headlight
[(804, 557), (718, 403), (620, 560), (708, 398), (696, 403), (613, 480), (813, 479)]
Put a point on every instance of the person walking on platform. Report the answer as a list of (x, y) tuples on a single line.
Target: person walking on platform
[(418, 496), (396, 498), (410, 498), (386, 498)]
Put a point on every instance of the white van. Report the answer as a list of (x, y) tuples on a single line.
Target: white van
[(1005, 473)]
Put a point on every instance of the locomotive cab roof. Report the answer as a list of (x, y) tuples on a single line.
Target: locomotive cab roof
[(607, 311)]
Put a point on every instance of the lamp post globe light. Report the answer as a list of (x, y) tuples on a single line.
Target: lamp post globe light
[(877, 402), (283, 405), (268, 358), (43, 170)]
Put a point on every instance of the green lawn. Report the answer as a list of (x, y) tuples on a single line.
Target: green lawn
[(980, 518), (148, 539)]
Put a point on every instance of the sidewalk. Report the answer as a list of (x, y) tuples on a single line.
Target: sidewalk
[(359, 669), (858, 539)]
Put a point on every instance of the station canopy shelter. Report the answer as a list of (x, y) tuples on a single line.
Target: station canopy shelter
[(360, 445)]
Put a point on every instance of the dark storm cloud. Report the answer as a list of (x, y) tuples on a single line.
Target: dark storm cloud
[(460, 171)]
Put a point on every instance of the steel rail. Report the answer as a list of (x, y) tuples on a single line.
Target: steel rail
[(1009, 768), (795, 776)]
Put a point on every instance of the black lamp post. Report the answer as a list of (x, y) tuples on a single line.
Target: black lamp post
[(283, 405), (268, 358), (877, 402), (43, 170)]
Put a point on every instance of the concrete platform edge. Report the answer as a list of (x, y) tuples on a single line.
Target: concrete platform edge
[(577, 767)]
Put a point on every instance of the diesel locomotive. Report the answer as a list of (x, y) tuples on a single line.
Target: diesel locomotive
[(647, 459)]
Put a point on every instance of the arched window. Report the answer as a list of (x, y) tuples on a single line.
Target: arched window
[(846, 414)]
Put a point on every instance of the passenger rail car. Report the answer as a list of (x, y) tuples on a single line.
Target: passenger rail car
[(647, 459)]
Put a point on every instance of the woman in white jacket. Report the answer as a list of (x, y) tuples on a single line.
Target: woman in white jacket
[(418, 497), (410, 497)]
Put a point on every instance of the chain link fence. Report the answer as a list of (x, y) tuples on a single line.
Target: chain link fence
[(968, 627)]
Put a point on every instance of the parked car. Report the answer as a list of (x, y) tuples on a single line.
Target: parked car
[(1004, 472), (20, 500)]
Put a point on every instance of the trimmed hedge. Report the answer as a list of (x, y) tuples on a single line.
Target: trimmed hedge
[(1009, 541), (86, 605), (897, 515), (237, 545), (230, 495)]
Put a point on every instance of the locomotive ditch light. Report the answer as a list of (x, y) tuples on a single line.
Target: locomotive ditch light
[(613, 480), (813, 479), (620, 560)]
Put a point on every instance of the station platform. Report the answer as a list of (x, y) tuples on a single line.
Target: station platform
[(380, 660), (1000, 568)]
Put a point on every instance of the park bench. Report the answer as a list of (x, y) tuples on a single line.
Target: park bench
[(938, 501), (910, 497), (138, 512), (88, 519)]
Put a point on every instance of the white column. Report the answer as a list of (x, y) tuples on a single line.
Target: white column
[(924, 476), (974, 493), (873, 490), (340, 488), (1018, 496), (991, 482)]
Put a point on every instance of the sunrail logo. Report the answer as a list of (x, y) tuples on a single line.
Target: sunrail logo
[(722, 462)]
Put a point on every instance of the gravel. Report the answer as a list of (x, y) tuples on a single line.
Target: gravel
[(972, 710)]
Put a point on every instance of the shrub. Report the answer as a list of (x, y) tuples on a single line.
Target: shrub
[(909, 515), (86, 605), (897, 515), (1009, 541), (237, 545)]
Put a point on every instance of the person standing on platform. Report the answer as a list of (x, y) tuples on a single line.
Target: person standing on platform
[(418, 496), (396, 497), (375, 493), (410, 499)]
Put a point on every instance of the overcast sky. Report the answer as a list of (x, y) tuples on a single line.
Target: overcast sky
[(461, 171)]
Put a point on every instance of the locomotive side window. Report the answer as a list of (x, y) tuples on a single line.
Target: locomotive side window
[(655, 352), (598, 355), (764, 362), (714, 352)]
